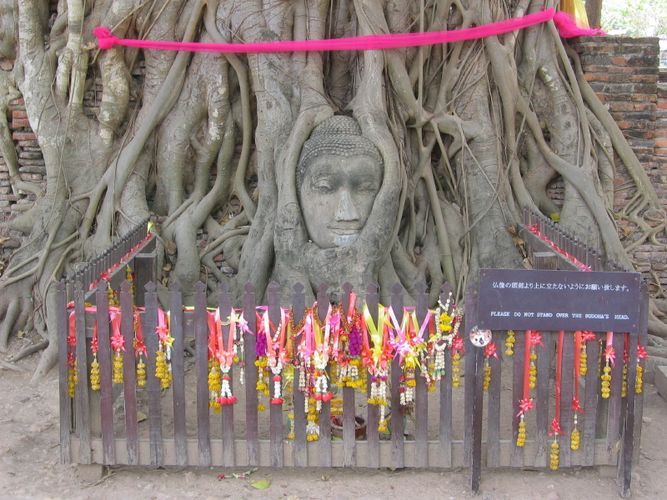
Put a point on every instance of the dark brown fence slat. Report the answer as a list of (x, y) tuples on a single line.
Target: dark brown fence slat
[(325, 414), (629, 438), (567, 391), (639, 398), (275, 411), (225, 305), (104, 359), (373, 417), (591, 396), (516, 459), (250, 355), (81, 395), (615, 402), (178, 373), (542, 401), (474, 396), (445, 424), (421, 391), (129, 375), (468, 379), (349, 410), (397, 438), (299, 421), (65, 404), (493, 402), (152, 383), (201, 369)]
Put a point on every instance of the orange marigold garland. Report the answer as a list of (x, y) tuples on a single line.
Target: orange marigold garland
[(163, 355), (71, 356), (490, 351), (609, 356), (94, 365), (140, 350), (554, 453), (510, 340), (118, 347), (579, 351), (533, 338), (639, 380), (526, 403)]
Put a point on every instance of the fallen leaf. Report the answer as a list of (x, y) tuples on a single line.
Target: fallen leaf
[(260, 484), (221, 477)]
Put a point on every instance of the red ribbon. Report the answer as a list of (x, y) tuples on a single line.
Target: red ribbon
[(490, 350), (580, 265)]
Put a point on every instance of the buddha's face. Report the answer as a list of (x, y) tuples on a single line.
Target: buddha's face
[(337, 195)]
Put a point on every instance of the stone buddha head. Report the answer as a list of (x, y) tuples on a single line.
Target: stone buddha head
[(338, 176)]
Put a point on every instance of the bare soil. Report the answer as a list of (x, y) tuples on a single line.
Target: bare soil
[(30, 468)]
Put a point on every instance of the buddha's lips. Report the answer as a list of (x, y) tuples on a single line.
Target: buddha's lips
[(344, 231)]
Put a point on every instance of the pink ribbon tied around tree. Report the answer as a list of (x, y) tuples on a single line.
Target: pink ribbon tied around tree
[(566, 26)]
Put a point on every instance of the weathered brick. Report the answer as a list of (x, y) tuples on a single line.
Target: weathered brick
[(24, 136), (20, 123)]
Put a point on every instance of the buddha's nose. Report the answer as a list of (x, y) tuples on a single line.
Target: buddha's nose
[(346, 211)]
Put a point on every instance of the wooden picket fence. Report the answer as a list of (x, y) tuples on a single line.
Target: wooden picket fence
[(447, 429)]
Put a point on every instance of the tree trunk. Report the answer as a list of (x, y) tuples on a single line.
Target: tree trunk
[(402, 166)]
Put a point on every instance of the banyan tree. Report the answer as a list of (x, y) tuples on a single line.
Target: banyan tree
[(407, 165)]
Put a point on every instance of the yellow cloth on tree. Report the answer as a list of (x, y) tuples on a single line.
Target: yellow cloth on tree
[(577, 10)]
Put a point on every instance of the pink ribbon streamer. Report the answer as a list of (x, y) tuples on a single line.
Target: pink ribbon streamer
[(564, 23)]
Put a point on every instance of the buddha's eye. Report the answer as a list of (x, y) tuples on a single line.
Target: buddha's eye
[(323, 186), (367, 187)]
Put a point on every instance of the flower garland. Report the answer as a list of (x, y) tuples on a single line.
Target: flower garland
[(609, 355), (163, 355), (347, 346), (554, 453), (377, 354)]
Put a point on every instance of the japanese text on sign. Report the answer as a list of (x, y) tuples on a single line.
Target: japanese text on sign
[(558, 300)]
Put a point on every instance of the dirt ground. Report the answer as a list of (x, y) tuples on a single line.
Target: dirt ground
[(30, 468)]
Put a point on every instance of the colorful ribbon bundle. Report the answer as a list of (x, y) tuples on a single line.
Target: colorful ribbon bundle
[(346, 349)]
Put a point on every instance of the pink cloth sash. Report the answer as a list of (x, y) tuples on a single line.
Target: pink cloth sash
[(565, 24)]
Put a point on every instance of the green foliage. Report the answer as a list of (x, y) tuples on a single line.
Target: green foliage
[(635, 17)]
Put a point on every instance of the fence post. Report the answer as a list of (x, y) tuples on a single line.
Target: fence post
[(397, 439), (275, 410), (201, 369), (628, 442), (250, 355), (81, 395), (65, 405), (325, 413), (445, 424), (373, 417), (474, 397), (421, 391), (153, 384), (178, 371), (299, 420), (129, 374), (106, 388), (225, 308), (349, 410)]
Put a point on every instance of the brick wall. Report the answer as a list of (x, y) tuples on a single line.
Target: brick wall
[(623, 72)]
